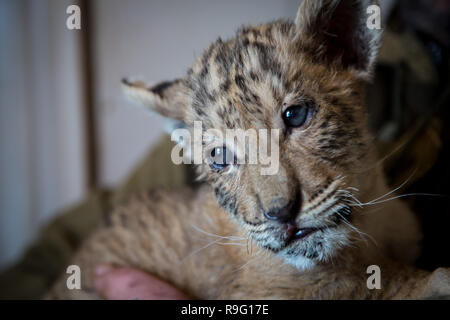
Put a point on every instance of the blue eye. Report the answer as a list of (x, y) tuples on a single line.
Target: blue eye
[(221, 158), (295, 116)]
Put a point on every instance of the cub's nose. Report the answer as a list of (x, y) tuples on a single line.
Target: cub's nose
[(284, 214)]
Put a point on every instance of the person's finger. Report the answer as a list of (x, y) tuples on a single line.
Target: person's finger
[(129, 284)]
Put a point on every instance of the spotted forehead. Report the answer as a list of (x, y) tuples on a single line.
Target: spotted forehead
[(238, 83)]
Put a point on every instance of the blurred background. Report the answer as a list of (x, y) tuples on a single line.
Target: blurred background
[(71, 146)]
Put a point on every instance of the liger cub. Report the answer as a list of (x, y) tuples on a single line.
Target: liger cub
[(310, 230)]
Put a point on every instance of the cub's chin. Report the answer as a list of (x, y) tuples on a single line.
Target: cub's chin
[(318, 247)]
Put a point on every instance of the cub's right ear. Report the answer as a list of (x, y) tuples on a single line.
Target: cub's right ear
[(167, 98)]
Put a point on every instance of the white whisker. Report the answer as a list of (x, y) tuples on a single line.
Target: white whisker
[(218, 236)]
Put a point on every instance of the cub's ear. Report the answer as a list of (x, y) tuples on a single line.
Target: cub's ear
[(336, 31), (167, 98)]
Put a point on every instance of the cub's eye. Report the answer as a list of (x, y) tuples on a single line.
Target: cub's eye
[(221, 158), (295, 116)]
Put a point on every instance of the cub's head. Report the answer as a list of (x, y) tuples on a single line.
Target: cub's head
[(294, 90)]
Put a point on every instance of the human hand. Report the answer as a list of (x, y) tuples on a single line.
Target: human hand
[(113, 283)]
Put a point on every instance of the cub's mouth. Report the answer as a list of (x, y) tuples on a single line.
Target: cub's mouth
[(294, 233)]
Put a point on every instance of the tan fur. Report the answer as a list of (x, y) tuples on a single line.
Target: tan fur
[(328, 165)]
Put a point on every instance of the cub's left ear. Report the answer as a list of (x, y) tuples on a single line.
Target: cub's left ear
[(166, 98), (336, 31)]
